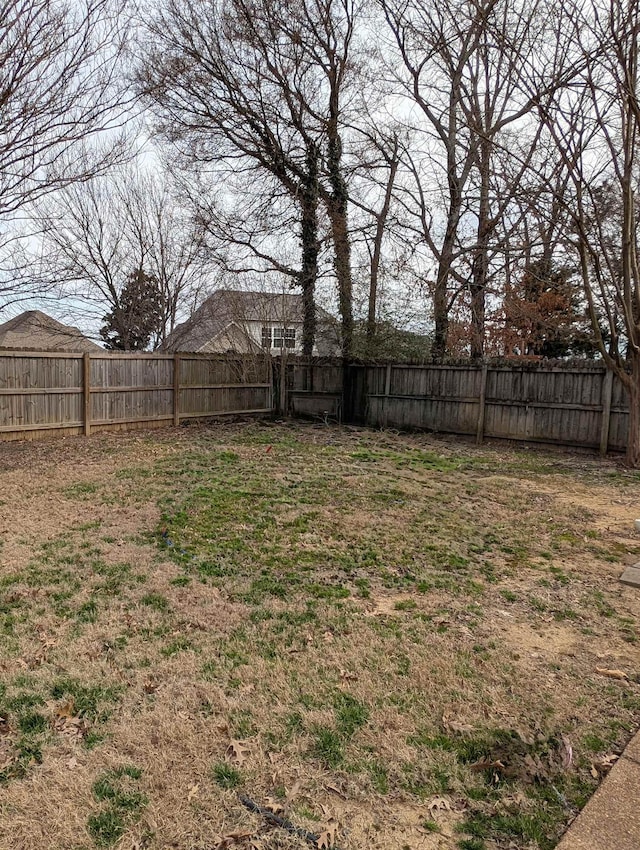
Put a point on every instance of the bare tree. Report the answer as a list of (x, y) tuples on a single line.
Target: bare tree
[(375, 175), (596, 127), (59, 85), (464, 64), (246, 226), (260, 85), (97, 234)]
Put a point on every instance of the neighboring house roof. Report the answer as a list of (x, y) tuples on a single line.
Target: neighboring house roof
[(231, 338), (210, 325), (34, 329)]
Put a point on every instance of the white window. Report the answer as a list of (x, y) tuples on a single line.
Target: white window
[(284, 337), (278, 338)]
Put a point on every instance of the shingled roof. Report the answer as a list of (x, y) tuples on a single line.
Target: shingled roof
[(225, 307), (35, 330)]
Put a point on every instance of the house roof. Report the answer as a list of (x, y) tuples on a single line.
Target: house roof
[(226, 306), (34, 329)]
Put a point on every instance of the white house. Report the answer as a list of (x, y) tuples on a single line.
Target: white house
[(250, 322)]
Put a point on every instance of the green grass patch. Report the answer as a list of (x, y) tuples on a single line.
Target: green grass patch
[(124, 804), (226, 776)]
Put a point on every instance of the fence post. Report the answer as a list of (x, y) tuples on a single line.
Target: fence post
[(176, 390), (86, 393), (387, 393), (283, 383), (607, 395), (481, 404)]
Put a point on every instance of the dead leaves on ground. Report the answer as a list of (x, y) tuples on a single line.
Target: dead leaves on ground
[(620, 675), (252, 840), (240, 838), (439, 804), (68, 722), (237, 752), (541, 760), (274, 806), (601, 768), (327, 837)]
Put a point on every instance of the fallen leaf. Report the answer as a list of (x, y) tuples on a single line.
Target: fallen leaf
[(274, 806), (594, 772), (456, 726), (487, 764), (439, 804), (68, 723), (327, 836), (193, 792), (66, 710), (603, 766), (72, 763), (566, 752), (336, 791), (294, 790), (346, 676), (237, 752), (612, 674)]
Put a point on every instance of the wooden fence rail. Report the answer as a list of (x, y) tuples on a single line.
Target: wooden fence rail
[(44, 393), (573, 406)]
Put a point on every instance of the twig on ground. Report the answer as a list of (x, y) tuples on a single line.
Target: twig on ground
[(277, 820)]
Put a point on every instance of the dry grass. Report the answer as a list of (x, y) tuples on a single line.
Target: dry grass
[(403, 634)]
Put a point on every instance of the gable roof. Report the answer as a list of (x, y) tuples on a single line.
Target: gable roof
[(34, 329), (227, 305)]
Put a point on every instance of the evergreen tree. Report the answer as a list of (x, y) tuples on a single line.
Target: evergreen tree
[(544, 317), (137, 317)]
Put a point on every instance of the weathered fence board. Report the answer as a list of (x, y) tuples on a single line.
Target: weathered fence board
[(42, 393), (569, 406), (564, 406), (315, 390), (45, 393)]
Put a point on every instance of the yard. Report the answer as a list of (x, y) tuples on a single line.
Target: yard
[(388, 641)]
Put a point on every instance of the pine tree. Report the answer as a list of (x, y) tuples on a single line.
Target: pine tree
[(137, 317)]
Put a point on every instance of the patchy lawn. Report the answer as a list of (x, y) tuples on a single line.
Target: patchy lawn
[(389, 641)]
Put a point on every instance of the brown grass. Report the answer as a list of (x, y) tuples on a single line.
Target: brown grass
[(451, 591)]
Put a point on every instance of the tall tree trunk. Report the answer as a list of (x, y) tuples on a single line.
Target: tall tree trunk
[(381, 222), (632, 458), (480, 267), (310, 249), (441, 292), (337, 208)]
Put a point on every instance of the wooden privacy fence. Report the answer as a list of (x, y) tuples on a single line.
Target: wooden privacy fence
[(572, 405), (45, 394), (42, 394)]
